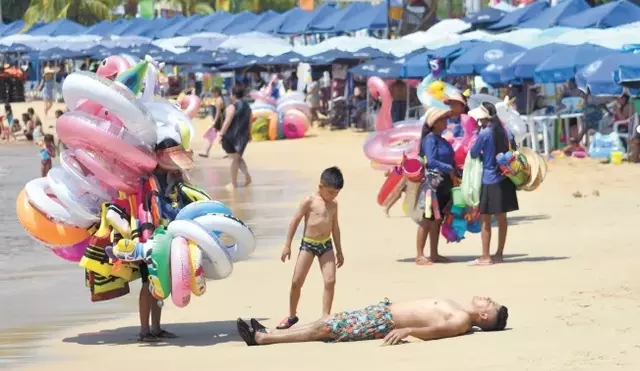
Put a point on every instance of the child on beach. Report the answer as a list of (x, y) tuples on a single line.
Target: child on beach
[(6, 129), (320, 213), (47, 153), (60, 146), (28, 126)]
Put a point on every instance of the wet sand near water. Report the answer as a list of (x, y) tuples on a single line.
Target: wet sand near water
[(32, 278), (569, 280)]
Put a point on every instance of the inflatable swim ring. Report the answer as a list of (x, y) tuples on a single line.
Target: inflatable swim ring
[(114, 174), (38, 193), (292, 96), (159, 264), (260, 129), (190, 104), (394, 184), (245, 240), (171, 122), (388, 147), (85, 131), (294, 126), (216, 262), (200, 208), (114, 97), (291, 105), (85, 203), (72, 253), (180, 272), (262, 106), (261, 97), (44, 230), (197, 280), (273, 122)]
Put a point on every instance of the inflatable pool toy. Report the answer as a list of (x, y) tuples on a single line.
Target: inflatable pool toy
[(462, 144), (114, 97), (294, 126), (40, 196), (114, 174), (392, 186), (171, 122), (44, 230), (159, 264), (79, 200), (389, 146), (294, 105), (72, 253), (380, 91), (432, 92), (190, 104), (260, 129), (197, 278), (224, 223), (216, 262), (180, 272), (111, 66), (272, 117), (201, 208), (85, 131)]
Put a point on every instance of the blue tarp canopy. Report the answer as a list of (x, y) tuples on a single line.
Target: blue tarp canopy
[(289, 58), (340, 18), (221, 57), (173, 30), (221, 25), (55, 54), (612, 14), (450, 52), (201, 23), (598, 76), (480, 56), (274, 24), (15, 27), (166, 57), (485, 16), (520, 15), (372, 18), (381, 67), (199, 69), (524, 67), (552, 16), (238, 28), (494, 74), (332, 55), (370, 53), (58, 28), (102, 28), (303, 23), (563, 64), (18, 48), (149, 28), (194, 58), (628, 75)]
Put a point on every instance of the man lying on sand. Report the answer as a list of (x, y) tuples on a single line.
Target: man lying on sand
[(427, 319)]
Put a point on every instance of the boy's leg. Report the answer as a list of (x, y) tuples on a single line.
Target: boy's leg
[(328, 267), (303, 264), (502, 237)]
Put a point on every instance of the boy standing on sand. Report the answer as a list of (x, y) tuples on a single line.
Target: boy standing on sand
[(320, 213)]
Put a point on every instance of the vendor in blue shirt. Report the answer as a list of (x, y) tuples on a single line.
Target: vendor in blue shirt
[(498, 193), (458, 104), (439, 154)]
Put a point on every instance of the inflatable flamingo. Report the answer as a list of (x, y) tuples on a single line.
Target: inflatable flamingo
[(462, 145), (380, 91), (112, 66)]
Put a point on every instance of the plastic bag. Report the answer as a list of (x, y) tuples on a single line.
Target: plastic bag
[(471, 180)]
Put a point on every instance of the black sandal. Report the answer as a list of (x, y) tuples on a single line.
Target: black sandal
[(246, 333), (257, 326), (147, 338), (287, 323), (164, 335)]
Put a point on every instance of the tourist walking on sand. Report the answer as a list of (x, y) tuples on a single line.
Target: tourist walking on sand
[(218, 118), (440, 165), (47, 86), (235, 135), (498, 193)]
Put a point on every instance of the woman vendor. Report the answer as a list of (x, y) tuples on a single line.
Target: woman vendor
[(498, 193), (440, 165), (458, 104)]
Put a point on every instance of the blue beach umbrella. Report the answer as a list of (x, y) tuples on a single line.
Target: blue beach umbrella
[(475, 59), (524, 67), (500, 72), (598, 76), (565, 62)]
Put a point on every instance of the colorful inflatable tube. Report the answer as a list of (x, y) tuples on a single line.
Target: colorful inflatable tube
[(245, 240), (388, 147), (180, 272)]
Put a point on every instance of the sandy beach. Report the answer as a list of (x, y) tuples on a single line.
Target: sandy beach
[(568, 278)]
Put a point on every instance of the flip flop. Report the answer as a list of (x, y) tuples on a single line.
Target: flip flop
[(257, 326), (147, 338), (164, 335), (246, 333), (478, 263), (287, 323)]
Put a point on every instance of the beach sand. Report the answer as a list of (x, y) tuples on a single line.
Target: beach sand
[(568, 279)]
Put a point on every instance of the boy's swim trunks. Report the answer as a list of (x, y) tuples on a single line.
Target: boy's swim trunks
[(316, 247)]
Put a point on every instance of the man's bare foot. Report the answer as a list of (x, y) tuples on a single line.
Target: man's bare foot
[(248, 180), (230, 187), (440, 259), (497, 258), (480, 262), (421, 260)]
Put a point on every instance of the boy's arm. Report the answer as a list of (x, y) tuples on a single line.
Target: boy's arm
[(303, 209), (335, 232)]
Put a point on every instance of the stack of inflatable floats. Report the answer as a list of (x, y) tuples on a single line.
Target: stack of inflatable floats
[(276, 116), (108, 205), (394, 147)]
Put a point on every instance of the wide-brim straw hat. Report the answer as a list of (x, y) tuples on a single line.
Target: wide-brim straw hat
[(455, 97), (534, 161), (435, 114)]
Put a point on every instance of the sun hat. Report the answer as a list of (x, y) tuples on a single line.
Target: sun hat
[(455, 97), (480, 113), (435, 114), (534, 163)]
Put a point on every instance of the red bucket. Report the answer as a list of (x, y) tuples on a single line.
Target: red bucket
[(413, 169)]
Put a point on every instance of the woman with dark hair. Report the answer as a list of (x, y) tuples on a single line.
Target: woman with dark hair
[(458, 104), (440, 165), (498, 193), (218, 118)]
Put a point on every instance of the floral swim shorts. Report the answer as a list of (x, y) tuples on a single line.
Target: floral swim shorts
[(372, 322)]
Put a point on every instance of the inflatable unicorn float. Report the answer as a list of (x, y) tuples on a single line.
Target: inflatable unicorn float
[(277, 115), (104, 206)]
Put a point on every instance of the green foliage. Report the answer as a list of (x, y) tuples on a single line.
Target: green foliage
[(82, 11)]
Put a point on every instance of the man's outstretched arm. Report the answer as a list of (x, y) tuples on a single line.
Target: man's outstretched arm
[(448, 329)]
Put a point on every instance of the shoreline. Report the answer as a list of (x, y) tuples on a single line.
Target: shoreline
[(568, 268)]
